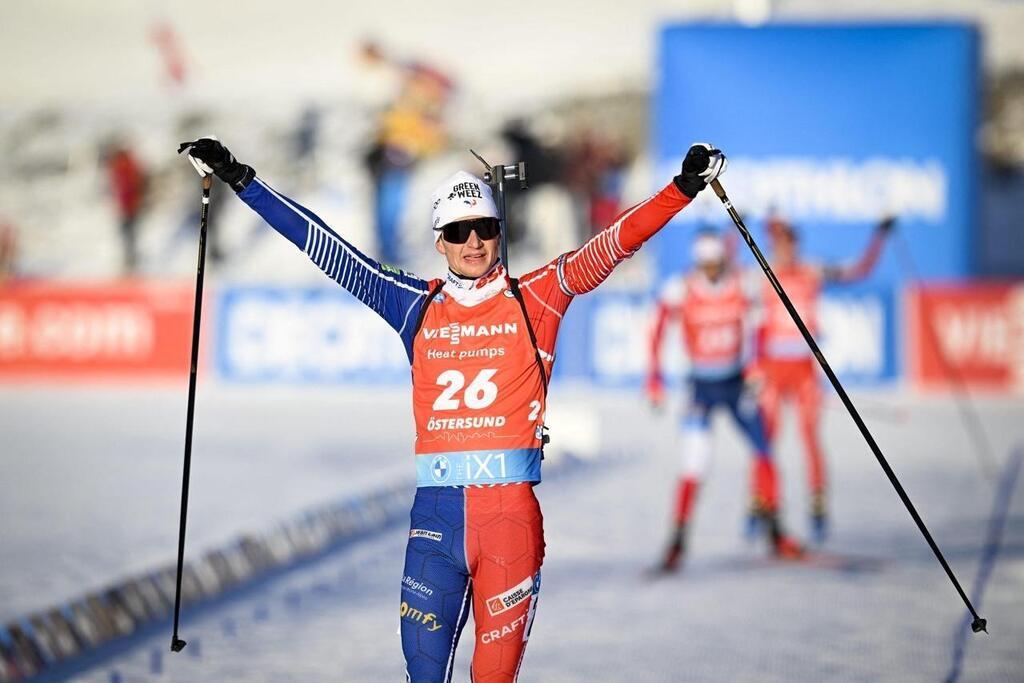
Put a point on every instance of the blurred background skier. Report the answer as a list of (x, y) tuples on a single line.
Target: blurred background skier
[(784, 369), (713, 306)]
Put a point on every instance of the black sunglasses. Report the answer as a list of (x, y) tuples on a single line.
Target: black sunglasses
[(458, 232)]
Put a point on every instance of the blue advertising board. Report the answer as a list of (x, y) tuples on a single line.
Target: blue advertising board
[(311, 335), (832, 126), (325, 336), (606, 337)]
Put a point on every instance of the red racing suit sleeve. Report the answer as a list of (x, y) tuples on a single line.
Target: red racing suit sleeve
[(582, 270), (668, 306), (663, 312), (548, 291)]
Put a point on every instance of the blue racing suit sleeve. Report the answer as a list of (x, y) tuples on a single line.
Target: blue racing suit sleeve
[(393, 294)]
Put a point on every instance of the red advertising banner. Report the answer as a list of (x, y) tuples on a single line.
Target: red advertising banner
[(974, 332), (112, 330)]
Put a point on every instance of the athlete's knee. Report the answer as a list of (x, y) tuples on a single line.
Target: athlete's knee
[(431, 619), (504, 623), (696, 449), (809, 419), (697, 415), (427, 644), (809, 399), (421, 669), (769, 405), (750, 419)]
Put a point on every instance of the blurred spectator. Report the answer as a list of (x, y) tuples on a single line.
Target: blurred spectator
[(8, 249), (128, 186), (172, 55), (305, 142), (409, 130), (595, 167), (544, 166), (188, 226)]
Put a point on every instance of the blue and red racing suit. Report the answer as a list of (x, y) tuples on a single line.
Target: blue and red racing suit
[(714, 317), (480, 352)]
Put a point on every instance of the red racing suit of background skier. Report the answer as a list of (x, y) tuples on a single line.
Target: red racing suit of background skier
[(481, 352)]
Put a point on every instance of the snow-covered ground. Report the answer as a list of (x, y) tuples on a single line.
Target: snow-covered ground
[(89, 492), (91, 479)]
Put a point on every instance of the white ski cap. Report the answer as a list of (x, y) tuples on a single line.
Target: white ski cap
[(708, 248), (461, 196)]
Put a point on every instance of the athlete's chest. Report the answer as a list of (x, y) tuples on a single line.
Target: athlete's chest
[(477, 387), (721, 304), (451, 331), (802, 285)]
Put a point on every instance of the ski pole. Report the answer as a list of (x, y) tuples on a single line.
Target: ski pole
[(177, 644), (968, 413), (978, 624)]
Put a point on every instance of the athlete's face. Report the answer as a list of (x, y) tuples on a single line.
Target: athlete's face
[(712, 269), (784, 250), (471, 259)]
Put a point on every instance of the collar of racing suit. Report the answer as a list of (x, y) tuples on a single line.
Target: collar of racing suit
[(723, 280), (471, 291)]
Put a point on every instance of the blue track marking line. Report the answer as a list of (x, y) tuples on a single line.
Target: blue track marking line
[(989, 555)]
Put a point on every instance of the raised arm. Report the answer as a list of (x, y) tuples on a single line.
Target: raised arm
[(582, 270), (860, 269), (391, 293), (550, 289)]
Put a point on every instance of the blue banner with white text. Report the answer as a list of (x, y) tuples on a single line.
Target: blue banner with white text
[(888, 128)]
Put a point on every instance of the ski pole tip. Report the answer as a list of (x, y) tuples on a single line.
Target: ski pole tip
[(177, 644), (979, 625)]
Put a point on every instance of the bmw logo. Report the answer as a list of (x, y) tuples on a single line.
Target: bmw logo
[(440, 468)]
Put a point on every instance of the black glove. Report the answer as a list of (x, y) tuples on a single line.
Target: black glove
[(886, 225), (703, 163), (208, 155)]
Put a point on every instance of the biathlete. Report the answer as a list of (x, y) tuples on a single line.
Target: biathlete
[(713, 306), (784, 368), (481, 348)]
